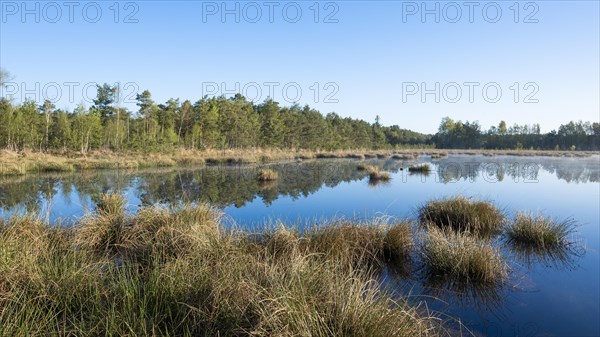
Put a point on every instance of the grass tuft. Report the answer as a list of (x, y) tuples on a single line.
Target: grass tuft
[(102, 232), (398, 241), (267, 175), (111, 204), (423, 168), (463, 257), (540, 232), (462, 214), (376, 174)]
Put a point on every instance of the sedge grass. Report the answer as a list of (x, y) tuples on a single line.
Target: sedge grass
[(541, 232), (423, 168), (544, 239), (181, 272), (267, 175), (376, 174), (462, 214), (463, 257)]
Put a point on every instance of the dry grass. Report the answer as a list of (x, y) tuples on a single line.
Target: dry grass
[(17, 163), (376, 174), (423, 168), (462, 214), (463, 257), (540, 232), (180, 272), (267, 175), (398, 241)]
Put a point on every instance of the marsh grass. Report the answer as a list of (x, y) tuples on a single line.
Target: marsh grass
[(462, 257), (19, 163), (376, 174), (543, 239), (541, 232), (463, 214), (438, 155), (182, 272), (423, 168), (398, 241), (102, 231), (267, 175)]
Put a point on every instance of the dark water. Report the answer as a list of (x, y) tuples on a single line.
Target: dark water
[(545, 296)]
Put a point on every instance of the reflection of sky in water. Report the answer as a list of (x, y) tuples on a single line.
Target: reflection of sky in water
[(543, 300)]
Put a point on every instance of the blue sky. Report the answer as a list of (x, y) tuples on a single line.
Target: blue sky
[(368, 58)]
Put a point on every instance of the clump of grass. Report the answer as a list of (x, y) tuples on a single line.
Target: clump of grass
[(462, 214), (163, 233), (423, 168), (111, 204), (398, 241), (376, 174), (540, 232), (463, 257), (348, 242), (267, 175), (103, 232)]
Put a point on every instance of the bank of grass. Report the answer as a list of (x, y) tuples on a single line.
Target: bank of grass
[(540, 231), (462, 214), (19, 163), (461, 256), (183, 272)]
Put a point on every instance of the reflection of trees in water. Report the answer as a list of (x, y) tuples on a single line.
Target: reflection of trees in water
[(30, 191), (519, 169), (237, 185), (219, 185)]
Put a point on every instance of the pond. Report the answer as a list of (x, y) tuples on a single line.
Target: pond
[(556, 296)]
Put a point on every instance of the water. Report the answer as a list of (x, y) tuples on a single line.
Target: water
[(542, 297)]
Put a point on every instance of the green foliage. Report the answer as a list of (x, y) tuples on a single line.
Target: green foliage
[(456, 134), (236, 123)]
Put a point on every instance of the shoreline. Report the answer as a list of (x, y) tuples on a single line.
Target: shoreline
[(21, 163)]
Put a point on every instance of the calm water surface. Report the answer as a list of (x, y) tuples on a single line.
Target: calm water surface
[(543, 297)]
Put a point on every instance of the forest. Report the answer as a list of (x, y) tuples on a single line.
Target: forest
[(236, 123)]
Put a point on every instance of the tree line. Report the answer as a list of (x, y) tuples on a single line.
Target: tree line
[(463, 135), (211, 122), (235, 122)]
